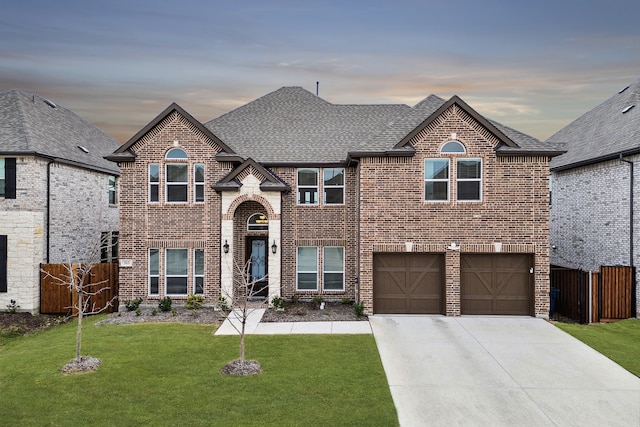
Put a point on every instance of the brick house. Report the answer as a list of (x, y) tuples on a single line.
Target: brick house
[(58, 195), (424, 209), (596, 201)]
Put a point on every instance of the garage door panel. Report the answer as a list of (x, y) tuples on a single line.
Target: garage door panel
[(408, 283), (496, 284)]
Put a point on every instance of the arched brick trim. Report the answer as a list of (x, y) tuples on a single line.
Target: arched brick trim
[(256, 198)]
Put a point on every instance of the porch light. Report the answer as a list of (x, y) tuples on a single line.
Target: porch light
[(274, 247), (225, 247)]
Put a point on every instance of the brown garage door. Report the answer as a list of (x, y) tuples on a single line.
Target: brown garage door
[(496, 284), (408, 283)]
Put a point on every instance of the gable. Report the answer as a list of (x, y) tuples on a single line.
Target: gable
[(173, 121), (250, 169), (456, 106)]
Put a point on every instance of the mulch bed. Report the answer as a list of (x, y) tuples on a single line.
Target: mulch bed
[(14, 324), (309, 312)]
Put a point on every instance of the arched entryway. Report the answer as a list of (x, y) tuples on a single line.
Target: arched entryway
[(251, 236)]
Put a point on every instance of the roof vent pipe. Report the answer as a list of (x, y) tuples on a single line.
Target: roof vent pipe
[(317, 88)]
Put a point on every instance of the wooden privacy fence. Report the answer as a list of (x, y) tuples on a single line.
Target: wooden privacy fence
[(57, 298), (587, 297)]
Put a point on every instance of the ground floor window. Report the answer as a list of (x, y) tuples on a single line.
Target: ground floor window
[(198, 271), (332, 268), (307, 268), (176, 271), (177, 279), (109, 246), (154, 271)]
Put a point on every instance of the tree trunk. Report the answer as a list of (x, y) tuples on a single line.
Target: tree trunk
[(80, 313)]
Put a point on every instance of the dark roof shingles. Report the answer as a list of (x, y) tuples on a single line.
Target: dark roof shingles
[(31, 125)]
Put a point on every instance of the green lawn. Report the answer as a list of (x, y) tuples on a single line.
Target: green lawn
[(168, 374), (619, 341)]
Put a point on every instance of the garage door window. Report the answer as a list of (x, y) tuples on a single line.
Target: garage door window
[(307, 268), (333, 268)]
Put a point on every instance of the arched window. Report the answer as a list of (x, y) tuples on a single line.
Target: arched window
[(177, 177), (258, 222), (176, 153), (453, 147)]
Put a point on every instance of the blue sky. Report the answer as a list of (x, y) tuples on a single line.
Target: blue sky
[(532, 65)]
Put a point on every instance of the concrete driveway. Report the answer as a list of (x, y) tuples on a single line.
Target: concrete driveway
[(500, 371)]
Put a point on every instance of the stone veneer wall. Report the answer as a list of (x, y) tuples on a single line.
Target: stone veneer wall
[(24, 253), (590, 217)]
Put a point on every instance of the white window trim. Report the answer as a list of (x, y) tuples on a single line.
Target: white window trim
[(167, 276), (447, 180), (196, 184), (470, 179), (113, 190), (175, 183), (324, 188), (298, 271), (151, 183), (324, 271), (149, 275), (195, 274), (317, 187)]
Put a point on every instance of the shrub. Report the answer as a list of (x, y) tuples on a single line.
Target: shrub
[(154, 312), (138, 312), (194, 302), (358, 309), (223, 304), (132, 305), (277, 302), (13, 306), (165, 304), (346, 301)]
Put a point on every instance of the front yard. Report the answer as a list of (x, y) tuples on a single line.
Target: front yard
[(168, 374), (619, 341)]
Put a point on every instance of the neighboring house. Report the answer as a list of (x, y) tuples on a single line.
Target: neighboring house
[(57, 192), (596, 197), (424, 209)]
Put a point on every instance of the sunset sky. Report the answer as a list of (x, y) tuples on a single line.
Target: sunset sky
[(532, 65)]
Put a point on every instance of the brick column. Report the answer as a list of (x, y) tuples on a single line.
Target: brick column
[(452, 282)]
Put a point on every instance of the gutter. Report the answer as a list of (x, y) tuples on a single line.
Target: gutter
[(594, 160), (630, 163)]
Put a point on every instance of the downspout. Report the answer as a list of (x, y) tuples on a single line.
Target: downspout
[(630, 208), (49, 209)]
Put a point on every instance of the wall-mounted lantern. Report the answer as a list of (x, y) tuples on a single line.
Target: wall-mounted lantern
[(274, 247), (225, 247)]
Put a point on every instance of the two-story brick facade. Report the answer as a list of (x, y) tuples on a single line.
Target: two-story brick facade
[(425, 209)]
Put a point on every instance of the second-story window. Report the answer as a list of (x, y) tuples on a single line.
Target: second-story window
[(198, 183), (154, 182), (333, 186), (307, 186), (112, 190), (177, 177)]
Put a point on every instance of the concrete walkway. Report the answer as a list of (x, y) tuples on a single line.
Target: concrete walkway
[(254, 326), (500, 371)]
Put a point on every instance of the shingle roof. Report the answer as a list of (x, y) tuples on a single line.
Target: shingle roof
[(602, 133), (291, 125), (31, 125)]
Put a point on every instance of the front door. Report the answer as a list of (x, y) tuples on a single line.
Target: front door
[(257, 265)]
